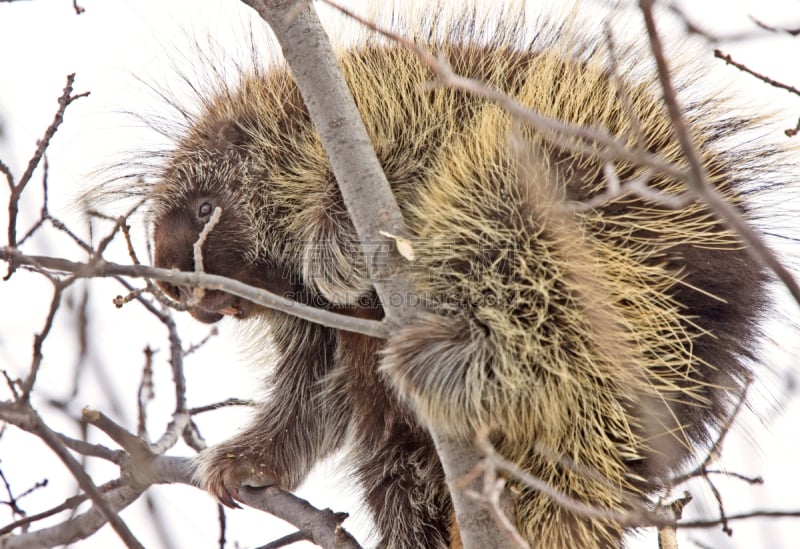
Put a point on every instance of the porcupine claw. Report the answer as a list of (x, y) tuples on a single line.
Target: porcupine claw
[(229, 497), (224, 493)]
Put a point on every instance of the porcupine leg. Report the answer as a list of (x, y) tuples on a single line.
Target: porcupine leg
[(293, 430), (393, 458), (404, 488)]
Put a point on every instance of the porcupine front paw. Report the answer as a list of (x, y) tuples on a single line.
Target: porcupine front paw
[(223, 469)]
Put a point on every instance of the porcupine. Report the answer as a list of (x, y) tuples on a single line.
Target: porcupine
[(597, 346)]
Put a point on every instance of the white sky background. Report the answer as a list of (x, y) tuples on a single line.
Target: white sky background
[(114, 41)]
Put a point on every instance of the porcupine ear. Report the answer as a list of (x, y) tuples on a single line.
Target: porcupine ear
[(229, 140), (228, 134)]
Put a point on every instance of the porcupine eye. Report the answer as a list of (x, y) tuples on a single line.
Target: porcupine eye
[(205, 209)]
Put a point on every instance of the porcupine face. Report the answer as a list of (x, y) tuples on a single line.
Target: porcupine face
[(205, 174), (174, 237)]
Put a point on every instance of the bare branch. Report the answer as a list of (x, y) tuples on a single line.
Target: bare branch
[(696, 178), (223, 404), (716, 448), (325, 529), (668, 535), (764, 78), (94, 450), (77, 528), (38, 340), (145, 393), (491, 496), (209, 281), (198, 246), (792, 30), (637, 186), (132, 444), (791, 132), (178, 425), (175, 344), (198, 292), (695, 28), (16, 190), (145, 467), (69, 503), (13, 501), (26, 418), (637, 517), (699, 524), (285, 541), (222, 525)]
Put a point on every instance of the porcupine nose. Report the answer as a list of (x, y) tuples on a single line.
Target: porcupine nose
[(173, 241)]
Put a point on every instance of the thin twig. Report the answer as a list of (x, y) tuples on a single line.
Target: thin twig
[(634, 518), (294, 537), (791, 30), (145, 392), (696, 179), (261, 297), (791, 132), (326, 527), (95, 450), (70, 503), (12, 500), (213, 332), (223, 404), (490, 497), (198, 292), (668, 535), (222, 525), (716, 448), (132, 444), (750, 34), (38, 340), (719, 54), (16, 190)]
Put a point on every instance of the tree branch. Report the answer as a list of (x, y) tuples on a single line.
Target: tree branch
[(326, 528), (697, 180), (16, 190), (142, 467), (102, 268), (27, 419)]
